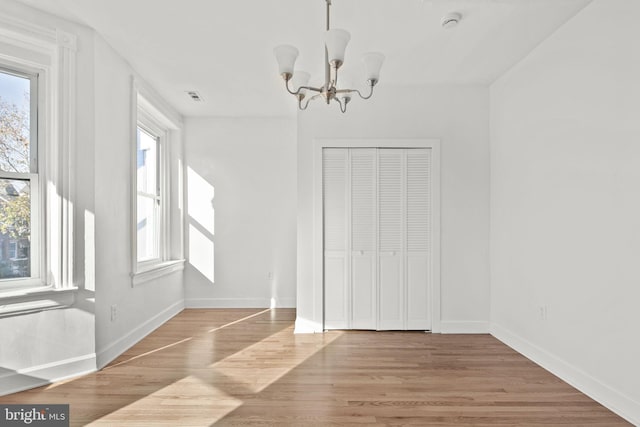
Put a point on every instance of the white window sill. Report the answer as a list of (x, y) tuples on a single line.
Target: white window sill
[(156, 271), (29, 300)]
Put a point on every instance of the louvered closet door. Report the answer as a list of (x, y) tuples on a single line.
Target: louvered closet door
[(404, 209), (418, 232), (363, 238), (376, 207), (391, 238), (336, 262)]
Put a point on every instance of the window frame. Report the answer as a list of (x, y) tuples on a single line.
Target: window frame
[(149, 113), (51, 55), (33, 176), (147, 124)]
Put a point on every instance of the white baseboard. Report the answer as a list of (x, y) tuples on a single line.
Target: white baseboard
[(116, 348), (595, 389), (36, 376), (286, 302), (464, 327), (305, 326), (239, 303)]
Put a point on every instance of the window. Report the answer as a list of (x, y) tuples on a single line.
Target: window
[(154, 252), (37, 128), (149, 203), (20, 206), (13, 250)]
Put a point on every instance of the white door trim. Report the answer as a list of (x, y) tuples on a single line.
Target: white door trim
[(318, 250)]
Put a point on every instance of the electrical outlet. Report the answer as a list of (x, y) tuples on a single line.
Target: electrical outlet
[(114, 313), (270, 276)]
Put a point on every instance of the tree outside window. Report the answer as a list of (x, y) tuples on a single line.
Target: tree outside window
[(16, 173)]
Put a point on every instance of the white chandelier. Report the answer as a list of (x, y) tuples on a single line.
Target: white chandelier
[(335, 45)]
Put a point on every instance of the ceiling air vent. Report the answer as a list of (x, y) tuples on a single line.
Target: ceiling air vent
[(195, 96)]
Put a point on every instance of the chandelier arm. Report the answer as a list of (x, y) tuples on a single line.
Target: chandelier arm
[(333, 76), (306, 104), (343, 107), (362, 96), (300, 106), (311, 88), (297, 92)]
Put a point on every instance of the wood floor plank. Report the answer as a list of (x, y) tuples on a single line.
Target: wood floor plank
[(245, 367)]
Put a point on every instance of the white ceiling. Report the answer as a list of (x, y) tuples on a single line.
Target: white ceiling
[(224, 49)]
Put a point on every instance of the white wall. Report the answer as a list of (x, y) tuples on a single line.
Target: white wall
[(458, 116), (565, 180), (243, 171), (147, 305)]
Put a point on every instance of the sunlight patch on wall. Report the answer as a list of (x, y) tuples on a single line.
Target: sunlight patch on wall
[(201, 252), (200, 201), (201, 219)]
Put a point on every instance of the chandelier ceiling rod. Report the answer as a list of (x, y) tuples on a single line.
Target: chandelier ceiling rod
[(335, 44), (327, 70)]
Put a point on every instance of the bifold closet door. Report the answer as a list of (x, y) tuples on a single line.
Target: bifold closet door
[(391, 194), (335, 224), (376, 220), (404, 211), (349, 210), (418, 238), (363, 238)]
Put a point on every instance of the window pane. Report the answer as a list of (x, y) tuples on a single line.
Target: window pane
[(147, 162), (15, 153), (148, 228), (15, 228)]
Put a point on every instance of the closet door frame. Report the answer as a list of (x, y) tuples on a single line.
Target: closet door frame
[(434, 293)]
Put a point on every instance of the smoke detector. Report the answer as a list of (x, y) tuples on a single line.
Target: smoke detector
[(450, 20)]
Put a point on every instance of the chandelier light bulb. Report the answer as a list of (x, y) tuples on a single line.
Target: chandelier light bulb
[(286, 56), (336, 41), (299, 79), (372, 65)]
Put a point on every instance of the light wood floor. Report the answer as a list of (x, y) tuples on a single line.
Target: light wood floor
[(246, 367)]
